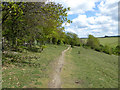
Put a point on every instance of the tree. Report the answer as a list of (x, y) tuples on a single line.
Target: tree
[(93, 42), (11, 18), (117, 49), (72, 39), (33, 21)]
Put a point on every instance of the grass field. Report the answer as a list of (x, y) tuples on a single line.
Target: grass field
[(36, 76), (89, 69), (111, 41)]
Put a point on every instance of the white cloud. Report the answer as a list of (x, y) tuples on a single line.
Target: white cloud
[(104, 22), (96, 25), (80, 21), (70, 30), (78, 6), (109, 8)]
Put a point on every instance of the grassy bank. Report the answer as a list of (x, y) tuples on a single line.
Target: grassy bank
[(110, 41), (34, 75), (86, 68)]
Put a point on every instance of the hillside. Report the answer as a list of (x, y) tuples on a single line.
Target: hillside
[(82, 68), (86, 68), (33, 74), (41, 48), (110, 41)]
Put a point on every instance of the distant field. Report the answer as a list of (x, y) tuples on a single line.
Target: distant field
[(111, 41), (21, 75), (89, 69)]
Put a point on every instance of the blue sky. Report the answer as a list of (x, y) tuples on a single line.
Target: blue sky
[(96, 17)]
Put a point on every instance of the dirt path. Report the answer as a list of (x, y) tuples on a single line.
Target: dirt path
[(56, 82)]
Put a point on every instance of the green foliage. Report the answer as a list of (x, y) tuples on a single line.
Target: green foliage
[(107, 49), (8, 58), (54, 40), (93, 42), (59, 42), (117, 50), (72, 39), (30, 22)]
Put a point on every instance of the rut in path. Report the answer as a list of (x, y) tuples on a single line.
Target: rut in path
[(56, 82)]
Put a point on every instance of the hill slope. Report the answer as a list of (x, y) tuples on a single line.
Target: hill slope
[(34, 75), (110, 41), (89, 69)]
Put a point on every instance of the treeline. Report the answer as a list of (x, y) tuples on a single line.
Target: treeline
[(94, 43), (27, 24), (111, 36)]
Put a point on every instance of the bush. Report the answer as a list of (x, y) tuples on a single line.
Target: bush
[(100, 48), (78, 45), (72, 44), (78, 52), (93, 42), (59, 42), (107, 50), (117, 49), (10, 58), (54, 40), (36, 48), (86, 47)]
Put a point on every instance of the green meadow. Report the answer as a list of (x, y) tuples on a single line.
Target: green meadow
[(83, 68), (86, 68), (38, 52), (33, 75), (110, 41)]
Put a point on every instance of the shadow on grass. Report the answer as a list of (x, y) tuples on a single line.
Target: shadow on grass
[(34, 49), (24, 63), (17, 60)]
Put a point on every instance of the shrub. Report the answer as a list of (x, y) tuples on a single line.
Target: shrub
[(78, 52), (10, 58), (54, 40), (100, 48), (78, 45), (59, 42), (93, 42), (72, 43), (117, 49), (107, 50), (72, 46), (86, 47)]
